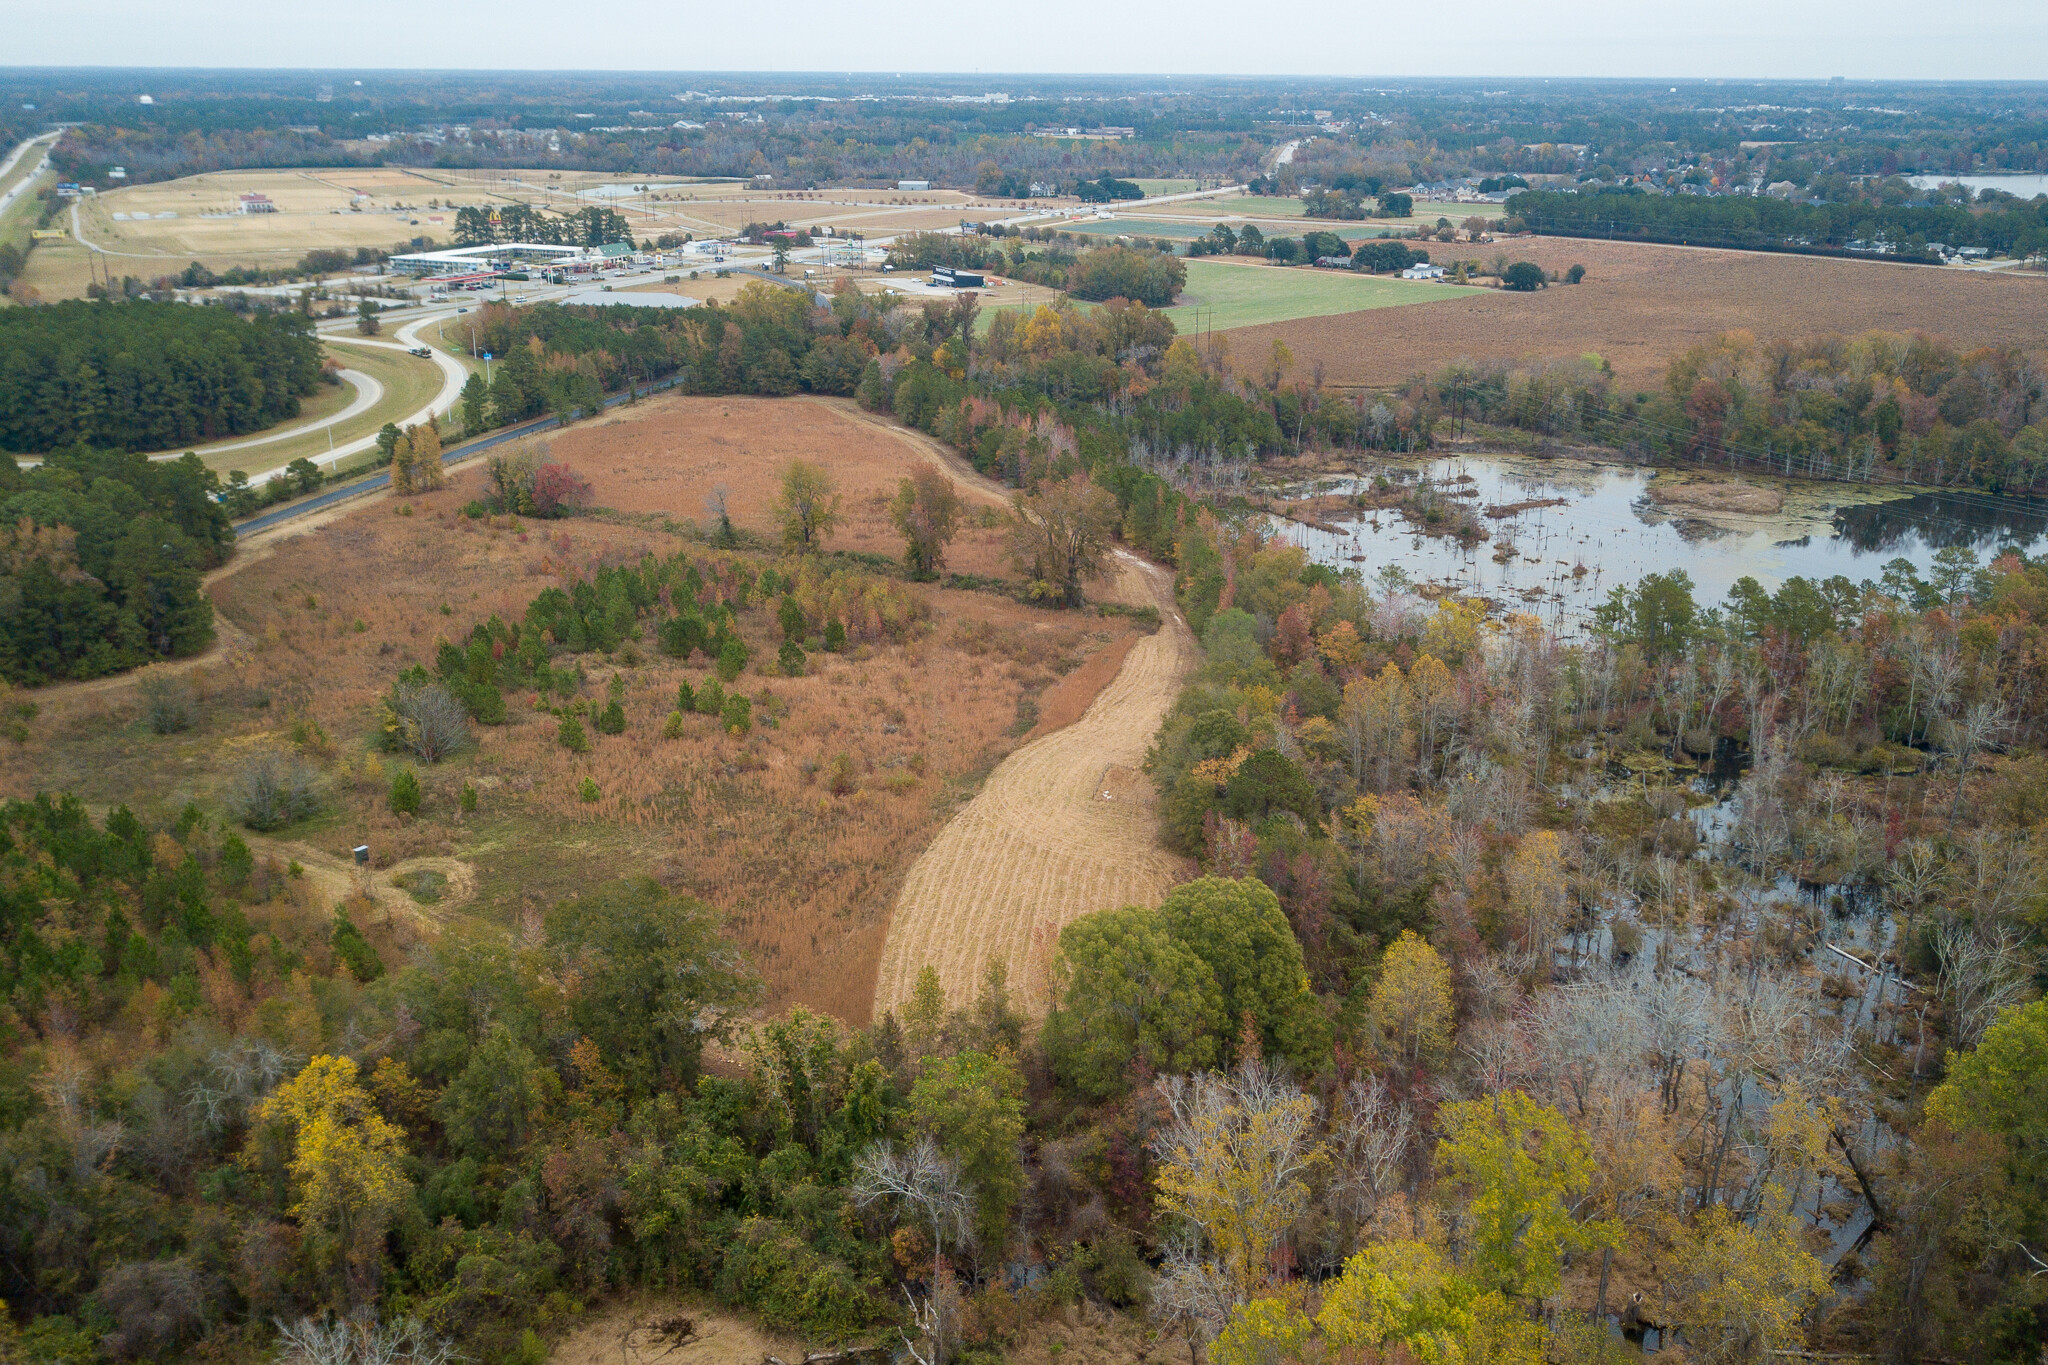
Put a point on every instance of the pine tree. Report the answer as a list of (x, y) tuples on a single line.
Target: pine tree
[(405, 792), (569, 734)]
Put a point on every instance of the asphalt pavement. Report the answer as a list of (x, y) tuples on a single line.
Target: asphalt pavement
[(382, 478)]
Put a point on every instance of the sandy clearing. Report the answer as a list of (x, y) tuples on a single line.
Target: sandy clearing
[(1059, 830), (633, 1333)]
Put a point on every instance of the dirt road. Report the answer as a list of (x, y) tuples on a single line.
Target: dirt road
[(1064, 826)]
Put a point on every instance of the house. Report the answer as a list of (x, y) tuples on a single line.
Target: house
[(1333, 263), (1423, 271)]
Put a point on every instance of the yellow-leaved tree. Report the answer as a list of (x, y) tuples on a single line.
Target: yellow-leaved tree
[(1411, 1002), (427, 473), (1234, 1161), (344, 1163), (1537, 888), (1521, 1169), (1743, 1289)]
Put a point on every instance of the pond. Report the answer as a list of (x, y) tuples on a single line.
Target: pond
[(1600, 528)]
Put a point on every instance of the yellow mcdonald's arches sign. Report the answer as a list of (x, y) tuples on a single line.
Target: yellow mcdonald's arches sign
[(494, 216)]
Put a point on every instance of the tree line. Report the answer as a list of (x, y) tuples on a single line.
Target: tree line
[(2014, 228), (1878, 406)]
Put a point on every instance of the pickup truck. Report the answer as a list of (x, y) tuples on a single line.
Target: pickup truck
[(422, 352)]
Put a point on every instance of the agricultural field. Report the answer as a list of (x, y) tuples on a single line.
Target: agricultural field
[(1231, 295), (314, 627), (1641, 304)]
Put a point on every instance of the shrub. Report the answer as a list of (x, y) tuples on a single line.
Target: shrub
[(711, 698), (672, 728), (587, 790), (840, 775), (167, 702), (405, 792), (426, 718), (835, 636), (354, 950), (272, 790), (468, 798), (569, 734), (559, 491), (738, 715), (732, 657), (686, 700), (790, 658), (791, 617)]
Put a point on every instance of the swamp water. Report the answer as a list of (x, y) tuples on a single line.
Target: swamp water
[(1608, 525)]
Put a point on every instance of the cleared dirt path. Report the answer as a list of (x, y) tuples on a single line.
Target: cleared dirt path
[(1064, 826)]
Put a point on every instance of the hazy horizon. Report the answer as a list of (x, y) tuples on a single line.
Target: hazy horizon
[(2000, 40)]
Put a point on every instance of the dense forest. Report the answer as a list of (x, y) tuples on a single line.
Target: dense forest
[(103, 555), (148, 376)]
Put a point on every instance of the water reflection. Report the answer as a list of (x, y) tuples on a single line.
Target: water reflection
[(1977, 520), (1609, 532)]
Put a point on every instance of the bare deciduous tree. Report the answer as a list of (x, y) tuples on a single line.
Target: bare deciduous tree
[(360, 1339)]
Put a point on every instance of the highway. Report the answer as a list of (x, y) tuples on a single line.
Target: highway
[(20, 186), (454, 455)]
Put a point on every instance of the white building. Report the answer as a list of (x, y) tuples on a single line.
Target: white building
[(913, 184), (469, 260), (1423, 272)]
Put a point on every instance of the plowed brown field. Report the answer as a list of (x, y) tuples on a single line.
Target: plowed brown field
[(1063, 827), (1641, 304)]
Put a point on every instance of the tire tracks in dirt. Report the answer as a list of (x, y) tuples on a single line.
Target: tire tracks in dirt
[(1064, 826)]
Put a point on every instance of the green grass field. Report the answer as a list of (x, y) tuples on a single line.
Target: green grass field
[(1152, 187), (408, 385), (1247, 295)]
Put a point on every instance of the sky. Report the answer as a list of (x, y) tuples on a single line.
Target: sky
[(1886, 39)]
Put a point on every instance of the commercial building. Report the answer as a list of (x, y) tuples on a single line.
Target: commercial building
[(255, 203), (950, 277), (493, 256), (913, 184)]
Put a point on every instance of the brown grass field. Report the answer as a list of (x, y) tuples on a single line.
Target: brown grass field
[(315, 626), (1065, 826), (1640, 305)]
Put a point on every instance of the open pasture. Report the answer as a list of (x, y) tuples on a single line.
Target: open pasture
[(1641, 304), (1224, 294)]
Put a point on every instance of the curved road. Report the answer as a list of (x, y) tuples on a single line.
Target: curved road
[(453, 377), (369, 393)]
